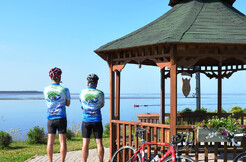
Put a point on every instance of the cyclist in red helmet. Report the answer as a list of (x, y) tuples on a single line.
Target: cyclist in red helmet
[(55, 73), (57, 98)]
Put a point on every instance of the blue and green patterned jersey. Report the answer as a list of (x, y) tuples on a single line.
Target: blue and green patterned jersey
[(92, 100), (56, 97)]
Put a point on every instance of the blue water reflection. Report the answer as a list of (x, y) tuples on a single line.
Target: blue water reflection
[(27, 112)]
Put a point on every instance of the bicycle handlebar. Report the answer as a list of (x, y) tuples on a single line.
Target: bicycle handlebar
[(140, 132), (234, 142), (231, 136), (180, 138), (141, 129)]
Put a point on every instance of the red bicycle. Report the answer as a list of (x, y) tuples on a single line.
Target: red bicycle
[(129, 153)]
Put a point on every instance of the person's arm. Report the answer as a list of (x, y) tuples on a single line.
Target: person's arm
[(80, 99), (68, 97), (103, 100), (67, 102)]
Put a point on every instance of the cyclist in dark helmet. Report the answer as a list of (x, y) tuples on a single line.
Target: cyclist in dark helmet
[(57, 98), (92, 79), (92, 101)]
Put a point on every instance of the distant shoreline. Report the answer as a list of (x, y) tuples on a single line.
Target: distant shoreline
[(20, 92), (41, 98), (135, 94), (21, 98), (25, 92)]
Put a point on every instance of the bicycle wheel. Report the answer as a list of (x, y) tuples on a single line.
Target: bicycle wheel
[(125, 153), (240, 157), (179, 159)]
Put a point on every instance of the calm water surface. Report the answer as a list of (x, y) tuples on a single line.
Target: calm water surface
[(25, 111)]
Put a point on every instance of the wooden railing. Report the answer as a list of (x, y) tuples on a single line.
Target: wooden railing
[(192, 118), (204, 148), (125, 135), (185, 122)]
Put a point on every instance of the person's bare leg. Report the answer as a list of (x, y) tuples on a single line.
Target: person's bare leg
[(100, 149), (63, 146), (85, 149), (50, 143)]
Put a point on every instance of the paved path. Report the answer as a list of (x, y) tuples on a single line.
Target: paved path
[(75, 156)]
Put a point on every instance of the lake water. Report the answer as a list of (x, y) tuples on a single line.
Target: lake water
[(26, 111)]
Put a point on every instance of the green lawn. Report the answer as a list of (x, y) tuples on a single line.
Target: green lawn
[(21, 151)]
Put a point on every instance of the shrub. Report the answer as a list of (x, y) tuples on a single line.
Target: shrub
[(5, 139), (186, 110), (222, 110), (201, 110), (76, 130), (70, 134), (167, 120), (236, 109), (36, 135), (244, 110), (106, 131)]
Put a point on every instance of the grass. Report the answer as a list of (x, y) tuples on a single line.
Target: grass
[(21, 151)]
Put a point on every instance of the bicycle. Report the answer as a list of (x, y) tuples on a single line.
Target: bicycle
[(129, 153), (242, 156)]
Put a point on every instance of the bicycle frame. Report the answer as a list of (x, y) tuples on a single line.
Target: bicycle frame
[(142, 149)]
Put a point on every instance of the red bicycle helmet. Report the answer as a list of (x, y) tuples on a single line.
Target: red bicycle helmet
[(55, 72)]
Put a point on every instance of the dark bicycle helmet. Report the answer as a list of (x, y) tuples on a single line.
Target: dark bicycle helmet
[(55, 73), (92, 78)]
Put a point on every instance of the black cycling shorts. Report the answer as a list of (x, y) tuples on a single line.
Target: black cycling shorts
[(87, 127), (57, 124)]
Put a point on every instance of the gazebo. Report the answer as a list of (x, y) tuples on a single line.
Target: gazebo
[(206, 36)]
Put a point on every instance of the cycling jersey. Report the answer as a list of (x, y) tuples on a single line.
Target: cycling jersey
[(92, 100), (56, 97)]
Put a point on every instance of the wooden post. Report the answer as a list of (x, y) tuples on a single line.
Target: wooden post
[(225, 151), (112, 113), (244, 147), (130, 134), (117, 112), (206, 151), (219, 91), (196, 147), (216, 151), (173, 97), (163, 95)]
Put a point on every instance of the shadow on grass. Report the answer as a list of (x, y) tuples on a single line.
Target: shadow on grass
[(16, 147), (75, 139)]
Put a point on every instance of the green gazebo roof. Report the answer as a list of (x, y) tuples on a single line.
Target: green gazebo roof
[(189, 21), (174, 2)]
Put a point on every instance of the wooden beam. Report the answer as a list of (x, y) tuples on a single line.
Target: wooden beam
[(219, 91), (118, 67), (142, 124), (162, 96), (142, 57), (188, 61), (173, 98), (164, 64), (112, 93), (117, 111), (112, 113)]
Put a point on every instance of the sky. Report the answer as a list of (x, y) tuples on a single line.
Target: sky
[(37, 35)]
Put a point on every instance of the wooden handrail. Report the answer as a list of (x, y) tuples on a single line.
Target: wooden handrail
[(141, 124), (194, 114)]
